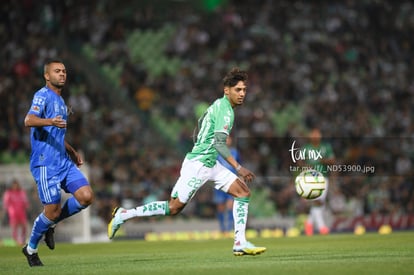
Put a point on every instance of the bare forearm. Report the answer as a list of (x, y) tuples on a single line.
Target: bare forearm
[(233, 162), (35, 121), (76, 158)]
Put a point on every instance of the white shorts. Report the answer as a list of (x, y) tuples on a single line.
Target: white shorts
[(194, 174)]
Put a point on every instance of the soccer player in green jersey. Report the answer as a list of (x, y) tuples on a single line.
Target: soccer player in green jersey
[(201, 165), (322, 157)]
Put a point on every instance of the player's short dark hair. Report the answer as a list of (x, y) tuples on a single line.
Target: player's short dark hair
[(50, 61), (234, 76)]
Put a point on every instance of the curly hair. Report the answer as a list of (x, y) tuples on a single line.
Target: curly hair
[(234, 76)]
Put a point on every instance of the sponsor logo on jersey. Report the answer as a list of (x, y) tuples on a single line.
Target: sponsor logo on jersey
[(35, 108), (39, 100)]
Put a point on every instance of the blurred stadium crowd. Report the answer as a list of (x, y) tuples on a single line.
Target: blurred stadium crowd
[(139, 72)]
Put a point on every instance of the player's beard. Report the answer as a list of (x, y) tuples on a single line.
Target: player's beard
[(239, 102), (58, 84)]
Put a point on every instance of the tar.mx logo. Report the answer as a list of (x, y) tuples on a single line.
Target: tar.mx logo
[(304, 154)]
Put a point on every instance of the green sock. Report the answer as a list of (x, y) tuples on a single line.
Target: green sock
[(156, 208), (240, 212)]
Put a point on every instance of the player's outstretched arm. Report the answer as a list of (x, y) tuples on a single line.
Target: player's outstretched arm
[(222, 148), (32, 120)]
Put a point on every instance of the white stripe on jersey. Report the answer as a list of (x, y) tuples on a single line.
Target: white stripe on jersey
[(44, 184)]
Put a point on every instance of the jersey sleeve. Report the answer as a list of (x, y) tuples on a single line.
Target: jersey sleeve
[(38, 104), (224, 119)]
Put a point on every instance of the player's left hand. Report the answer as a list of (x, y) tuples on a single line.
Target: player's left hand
[(76, 158), (247, 175)]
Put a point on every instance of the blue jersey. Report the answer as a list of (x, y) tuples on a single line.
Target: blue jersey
[(48, 142)]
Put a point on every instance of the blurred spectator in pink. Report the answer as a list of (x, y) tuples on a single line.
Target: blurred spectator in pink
[(16, 203)]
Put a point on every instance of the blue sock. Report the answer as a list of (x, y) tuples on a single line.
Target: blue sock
[(220, 217), (69, 208), (40, 226), (230, 220)]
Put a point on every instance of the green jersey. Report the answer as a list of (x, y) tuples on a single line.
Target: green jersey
[(314, 155), (218, 117)]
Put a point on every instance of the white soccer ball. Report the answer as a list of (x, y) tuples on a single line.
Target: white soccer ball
[(310, 184)]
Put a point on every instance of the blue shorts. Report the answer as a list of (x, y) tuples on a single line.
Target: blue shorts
[(49, 187), (221, 197)]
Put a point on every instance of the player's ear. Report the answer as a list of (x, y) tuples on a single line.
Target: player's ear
[(226, 90)]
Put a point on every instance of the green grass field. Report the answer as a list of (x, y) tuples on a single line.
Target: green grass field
[(333, 254)]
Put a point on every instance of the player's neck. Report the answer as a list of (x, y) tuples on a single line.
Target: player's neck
[(231, 103), (57, 90)]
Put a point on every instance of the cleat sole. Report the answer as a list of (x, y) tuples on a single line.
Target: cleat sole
[(251, 252)]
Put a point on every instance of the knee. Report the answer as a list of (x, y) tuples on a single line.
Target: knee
[(52, 212), (86, 197), (239, 189), (245, 194)]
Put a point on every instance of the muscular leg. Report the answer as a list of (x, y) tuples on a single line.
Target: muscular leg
[(156, 208), (175, 206), (54, 213), (42, 224), (239, 189), (84, 195), (81, 199), (241, 193)]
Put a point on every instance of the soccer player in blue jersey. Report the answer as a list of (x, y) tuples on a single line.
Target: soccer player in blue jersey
[(200, 165), (53, 162)]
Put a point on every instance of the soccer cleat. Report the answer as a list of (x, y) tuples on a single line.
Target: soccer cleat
[(308, 229), (324, 230), (115, 223), (33, 259), (247, 249), (49, 238)]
